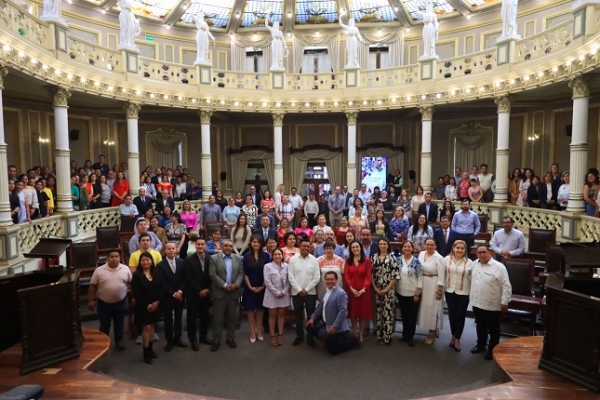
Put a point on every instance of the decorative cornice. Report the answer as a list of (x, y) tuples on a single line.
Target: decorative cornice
[(3, 73), (60, 96), (278, 119), (580, 87), (132, 110), (250, 148), (317, 146), (504, 103), (205, 116), (390, 146), (426, 113), (352, 117)]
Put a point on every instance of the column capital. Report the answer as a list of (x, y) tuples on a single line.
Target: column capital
[(278, 119), (580, 87), (132, 110), (504, 103), (352, 116), (3, 73), (60, 96), (205, 116), (426, 113)]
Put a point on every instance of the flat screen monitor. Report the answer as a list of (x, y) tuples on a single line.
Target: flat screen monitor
[(373, 172)]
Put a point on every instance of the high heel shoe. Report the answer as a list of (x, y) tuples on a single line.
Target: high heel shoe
[(274, 341), (279, 340)]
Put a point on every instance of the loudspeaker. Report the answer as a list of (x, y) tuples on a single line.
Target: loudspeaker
[(223, 175), (412, 174), (569, 130), (74, 134)]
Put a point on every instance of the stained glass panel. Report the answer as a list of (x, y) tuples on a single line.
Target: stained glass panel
[(256, 12), (316, 12), (371, 11), (215, 13)]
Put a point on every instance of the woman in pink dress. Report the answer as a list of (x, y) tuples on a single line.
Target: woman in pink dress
[(303, 228), (188, 216), (357, 282), (268, 200), (290, 249)]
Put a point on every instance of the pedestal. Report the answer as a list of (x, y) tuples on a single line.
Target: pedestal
[(506, 50), (352, 76), (277, 79), (427, 69), (204, 74), (131, 60)]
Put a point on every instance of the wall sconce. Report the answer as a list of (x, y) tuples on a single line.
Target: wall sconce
[(536, 135), (107, 142), (36, 136)]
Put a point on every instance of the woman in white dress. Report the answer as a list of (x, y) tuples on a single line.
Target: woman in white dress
[(430, 309), (563, 191), (279, 192)]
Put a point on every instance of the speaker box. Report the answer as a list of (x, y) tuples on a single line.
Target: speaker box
[(74, 134), (569, 130), (223, 175)]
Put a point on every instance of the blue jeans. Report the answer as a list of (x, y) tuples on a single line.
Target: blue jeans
[(589, 209), (115, 312)]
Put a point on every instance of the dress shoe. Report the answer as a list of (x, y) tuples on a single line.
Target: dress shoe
[(180, 343), (206, 341), (195, 346), (410, 343), (169, 347), (477, 349), (151, 350), (120, 346), (252, 340), (215, 347), (231, 343), (310, 341), (297, 341), (488, 356)]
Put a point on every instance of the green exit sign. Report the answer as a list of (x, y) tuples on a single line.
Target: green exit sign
[(149, 38)]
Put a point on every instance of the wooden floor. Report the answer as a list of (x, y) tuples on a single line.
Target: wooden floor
[(516, 363)]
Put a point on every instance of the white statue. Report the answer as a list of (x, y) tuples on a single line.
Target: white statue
[(52, 12), (279, 49), (352, 43), (130, 26), (430, 32), (202, 37), (509, 19)]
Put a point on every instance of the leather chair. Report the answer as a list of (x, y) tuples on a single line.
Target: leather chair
[(483, 235), (555, 262), (125, 251), (107, 238), (81, 257), (128, 224), (209, 227), (536, 244), (523, 304)]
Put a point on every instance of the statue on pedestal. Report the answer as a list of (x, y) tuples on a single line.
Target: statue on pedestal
[(202, 37), (278, 47), (509, 20), (130, 27), (352, 43), (430, 32), (52, 12)]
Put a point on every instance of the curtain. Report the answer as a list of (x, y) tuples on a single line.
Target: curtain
[(473, 149), (164, 150), (394, 40), (331, 41), (240, 43), (333, 162), (239, 167), (395, 158)]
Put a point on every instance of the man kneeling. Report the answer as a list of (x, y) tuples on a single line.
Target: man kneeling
[(329, 321)]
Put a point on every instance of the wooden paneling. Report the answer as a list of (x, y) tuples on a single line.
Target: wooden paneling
[(309, 134)]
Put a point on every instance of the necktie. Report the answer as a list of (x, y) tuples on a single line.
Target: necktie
[(173, 267), (446, 235), (265, 234), (143, 200)]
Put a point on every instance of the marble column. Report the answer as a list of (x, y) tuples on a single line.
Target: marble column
[(579, 147), (62, 153), (206, 162), (277, 150), (351, 173), (426, 122), (133, 147), (5, 218), (502, 151)]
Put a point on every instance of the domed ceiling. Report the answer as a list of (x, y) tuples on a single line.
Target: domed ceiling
[(241, 15)]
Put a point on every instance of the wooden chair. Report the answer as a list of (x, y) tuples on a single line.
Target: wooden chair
[(536, 243), (209, 227), (523, 303), (81, 257), (107, 238), (128, 224)]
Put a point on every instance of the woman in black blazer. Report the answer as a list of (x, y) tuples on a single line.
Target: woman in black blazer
[(548, 186), (533, 194)]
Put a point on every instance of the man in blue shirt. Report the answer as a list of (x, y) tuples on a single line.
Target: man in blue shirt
[(467, 224)]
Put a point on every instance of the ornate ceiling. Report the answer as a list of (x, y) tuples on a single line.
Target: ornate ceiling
[(240, 15)]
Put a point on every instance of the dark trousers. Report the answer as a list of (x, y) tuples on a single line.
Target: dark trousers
[(309, 302), (487, 321), (336, 343), (457, 312), (114, 312), (172, 307), (409, 310), (197, 307)]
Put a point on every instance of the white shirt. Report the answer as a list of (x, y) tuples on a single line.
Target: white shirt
[(296, 201), (514, 242), (325, 300), (311, 207), (304, 274), (458, 276), (490, 286), (485, 181), (364, 196)]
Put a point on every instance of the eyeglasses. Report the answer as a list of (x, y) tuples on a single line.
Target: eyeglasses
[(482, 252)]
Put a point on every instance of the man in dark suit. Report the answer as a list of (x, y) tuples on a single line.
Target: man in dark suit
[(226, 276), (142, 202), (369, 247), (165, 200), (265, 231), (429, 209), (329, 321), (258, 222), (256, 197), (197, 293), (171, 271), (444, 237), (347, 197)]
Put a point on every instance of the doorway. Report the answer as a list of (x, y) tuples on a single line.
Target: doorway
[(316, 180)]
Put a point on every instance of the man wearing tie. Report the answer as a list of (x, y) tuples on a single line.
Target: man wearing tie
[(429, 209), (226, 276), (142, 202), (197, 293), (444, 237), (256, 197), (164, 201), (265, 212), (336, 207), (265, 231), (171, 270)]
